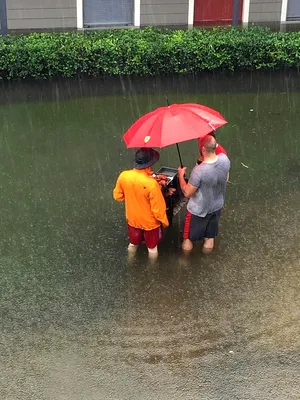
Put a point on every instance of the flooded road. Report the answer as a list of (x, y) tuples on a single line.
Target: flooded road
[(78, 322)]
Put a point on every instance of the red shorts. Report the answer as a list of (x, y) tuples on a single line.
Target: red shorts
[(151, 238)]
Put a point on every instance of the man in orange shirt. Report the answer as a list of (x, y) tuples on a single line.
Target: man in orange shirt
[(145, 206)]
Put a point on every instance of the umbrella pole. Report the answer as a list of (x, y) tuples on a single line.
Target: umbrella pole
[(179, 155), (176, 143)]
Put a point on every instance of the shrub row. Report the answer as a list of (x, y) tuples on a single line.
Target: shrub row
[(146, 52)]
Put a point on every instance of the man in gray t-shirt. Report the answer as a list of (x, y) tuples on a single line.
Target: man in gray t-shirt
[(206, 189)]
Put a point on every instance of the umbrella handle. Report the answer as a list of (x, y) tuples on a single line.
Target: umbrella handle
[(179, 155)]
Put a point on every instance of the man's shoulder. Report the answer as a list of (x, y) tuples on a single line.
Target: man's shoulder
[(197, 169), (224, 161), (152, 183), (125, 174), (196, 175), (144, 179), (223, 158)]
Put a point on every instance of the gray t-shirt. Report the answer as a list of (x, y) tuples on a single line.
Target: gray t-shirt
[(210, 179)]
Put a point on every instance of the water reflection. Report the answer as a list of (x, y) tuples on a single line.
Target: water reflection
[(78, 321)]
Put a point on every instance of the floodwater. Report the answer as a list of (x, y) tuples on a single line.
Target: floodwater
[(78, 321)]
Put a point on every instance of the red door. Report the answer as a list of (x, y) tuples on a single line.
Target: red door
[(208, 11)]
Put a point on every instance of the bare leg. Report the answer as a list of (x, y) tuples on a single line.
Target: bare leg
[(132, 247), (208, 245), (187, 245), (153, 253)]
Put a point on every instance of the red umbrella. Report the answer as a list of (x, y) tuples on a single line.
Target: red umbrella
[(173, 124)]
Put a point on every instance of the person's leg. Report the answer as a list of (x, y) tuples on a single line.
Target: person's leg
[(211, 232), (194, 230), (152, 239), (153, 253), (135, 238), (208, 245), (187, 244)]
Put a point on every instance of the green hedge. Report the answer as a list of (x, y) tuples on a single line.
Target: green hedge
[(148, 51)]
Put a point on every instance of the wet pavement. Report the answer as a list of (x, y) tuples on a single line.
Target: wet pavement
[(78, 321)]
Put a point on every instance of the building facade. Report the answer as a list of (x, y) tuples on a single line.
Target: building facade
[(79, 14)]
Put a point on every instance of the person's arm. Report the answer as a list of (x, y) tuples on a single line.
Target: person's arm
[(228, 169), (118, 193), (188, 189), (158, 205)]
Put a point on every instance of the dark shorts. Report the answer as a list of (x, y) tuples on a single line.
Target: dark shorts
[(151, 238), (198, 228)]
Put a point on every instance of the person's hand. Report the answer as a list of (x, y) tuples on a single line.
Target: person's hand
[(170, 191), (181, 171)]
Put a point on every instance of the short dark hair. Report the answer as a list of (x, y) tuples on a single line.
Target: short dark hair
[(209, 143), (213, 134)]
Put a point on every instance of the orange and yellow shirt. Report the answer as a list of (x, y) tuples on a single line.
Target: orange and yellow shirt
[(145, 205)]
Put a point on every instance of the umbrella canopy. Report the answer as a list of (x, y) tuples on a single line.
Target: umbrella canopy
[(173, 124)]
